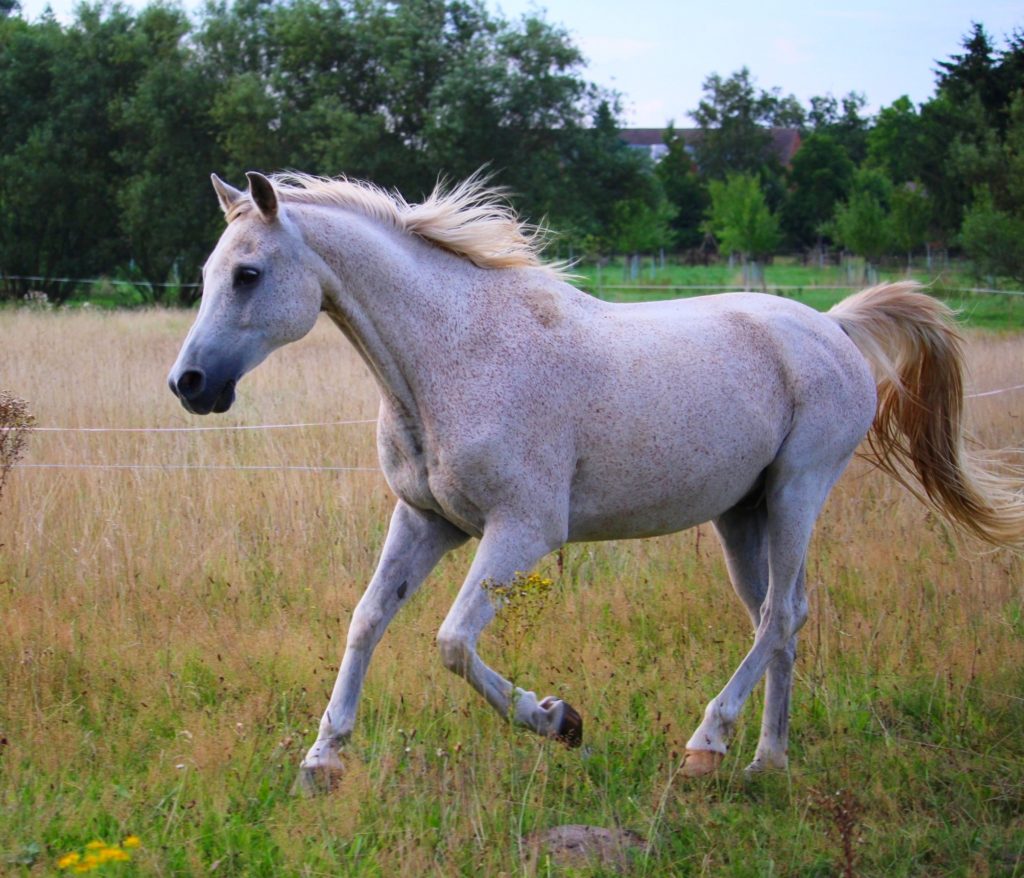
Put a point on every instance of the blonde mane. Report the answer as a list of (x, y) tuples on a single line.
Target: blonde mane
[(471, 219)]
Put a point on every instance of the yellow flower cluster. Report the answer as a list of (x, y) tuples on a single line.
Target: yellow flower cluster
[(97, 854), (524, 587), (519, 604)]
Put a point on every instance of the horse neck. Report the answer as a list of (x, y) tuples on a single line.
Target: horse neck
[(397, 298)]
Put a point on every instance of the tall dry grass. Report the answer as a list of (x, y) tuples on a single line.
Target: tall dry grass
[(175, 632)]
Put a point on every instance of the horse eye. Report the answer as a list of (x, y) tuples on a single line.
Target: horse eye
[(246, 276)]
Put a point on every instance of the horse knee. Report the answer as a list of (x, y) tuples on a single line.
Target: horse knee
[(456, 651), (364, 628)]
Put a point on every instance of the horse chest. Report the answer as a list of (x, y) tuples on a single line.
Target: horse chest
[(412, 471)]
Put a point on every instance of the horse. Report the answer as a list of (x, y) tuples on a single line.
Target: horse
[(525, 413)]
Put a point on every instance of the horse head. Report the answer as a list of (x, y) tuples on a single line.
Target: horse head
[(261, 290)]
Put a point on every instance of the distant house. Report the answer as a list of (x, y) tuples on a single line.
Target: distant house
[(785, 141)]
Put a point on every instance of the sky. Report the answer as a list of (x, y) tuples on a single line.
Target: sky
[(657, 53)]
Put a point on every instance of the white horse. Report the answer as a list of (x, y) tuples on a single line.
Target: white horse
[(525, 413)]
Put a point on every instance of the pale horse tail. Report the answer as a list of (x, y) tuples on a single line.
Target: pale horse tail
[(916, 354)]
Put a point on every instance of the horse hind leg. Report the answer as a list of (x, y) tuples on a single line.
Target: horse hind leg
[(503, 552), (742, 533), (792, 503)]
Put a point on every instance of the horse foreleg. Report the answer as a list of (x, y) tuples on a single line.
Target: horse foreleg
[(503, 552), (416, 541)]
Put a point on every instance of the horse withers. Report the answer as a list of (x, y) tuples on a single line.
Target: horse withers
[(519, 411)]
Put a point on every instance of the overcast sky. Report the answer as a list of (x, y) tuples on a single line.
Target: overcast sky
[(658, 52)]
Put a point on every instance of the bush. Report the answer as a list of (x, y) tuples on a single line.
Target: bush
[(994, 240)]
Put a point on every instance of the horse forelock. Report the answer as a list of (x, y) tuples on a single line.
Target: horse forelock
[(471, 219)]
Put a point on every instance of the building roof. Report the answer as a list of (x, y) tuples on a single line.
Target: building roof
[(785, 141)]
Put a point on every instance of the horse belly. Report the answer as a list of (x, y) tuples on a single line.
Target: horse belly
[(686, 461), (641, 498)]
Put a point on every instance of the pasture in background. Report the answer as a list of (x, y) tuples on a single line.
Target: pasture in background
[(170, 636)]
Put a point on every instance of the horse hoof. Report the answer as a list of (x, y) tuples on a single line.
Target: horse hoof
[(699, 763), (315, 780), (570, 729)]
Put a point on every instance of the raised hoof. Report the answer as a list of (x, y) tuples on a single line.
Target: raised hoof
[(315, 780), (570, 730), (570, 727), (699, 763)]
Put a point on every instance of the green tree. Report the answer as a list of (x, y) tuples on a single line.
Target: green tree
[(642, 227), (993, 228), (167, 214), (975, 73), (685, 191), (994, 239), (59, 174), (402, 92), (821, 175), (600, 172), (734, 118), (842, 120), (741, 221), (895, 144), (909, 218), (965, 125), (861, 223)]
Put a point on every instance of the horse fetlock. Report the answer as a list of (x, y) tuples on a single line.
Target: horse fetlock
[(714, 732), (720, 715)]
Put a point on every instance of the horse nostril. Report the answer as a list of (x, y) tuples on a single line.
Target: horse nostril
[(191, 383)]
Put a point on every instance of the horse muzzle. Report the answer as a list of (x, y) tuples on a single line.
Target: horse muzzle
[(201, 393)]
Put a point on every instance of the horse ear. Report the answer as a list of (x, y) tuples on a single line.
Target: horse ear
[(263, 195), (227, 194)]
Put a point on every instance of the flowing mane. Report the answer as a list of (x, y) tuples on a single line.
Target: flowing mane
[(470, 219)]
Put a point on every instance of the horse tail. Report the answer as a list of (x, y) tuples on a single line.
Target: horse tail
[(916, 353)]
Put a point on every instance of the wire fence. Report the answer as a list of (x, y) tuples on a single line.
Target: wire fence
[(220, 428), (88, 281)]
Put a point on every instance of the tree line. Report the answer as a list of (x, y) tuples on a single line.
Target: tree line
[(110, 126)]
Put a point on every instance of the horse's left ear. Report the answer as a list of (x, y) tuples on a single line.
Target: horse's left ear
[(263, 195)]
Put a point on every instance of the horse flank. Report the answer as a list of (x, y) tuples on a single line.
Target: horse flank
[(916, 353), (470, 219)]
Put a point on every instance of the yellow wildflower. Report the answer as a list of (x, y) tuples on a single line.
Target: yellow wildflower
[(133, 841), (113, 854), (88, 863), (95, 845), (68, 860)]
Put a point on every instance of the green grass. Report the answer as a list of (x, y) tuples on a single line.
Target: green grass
[(934, 766)]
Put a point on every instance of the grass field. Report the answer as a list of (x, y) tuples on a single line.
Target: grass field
[(169, 638)]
